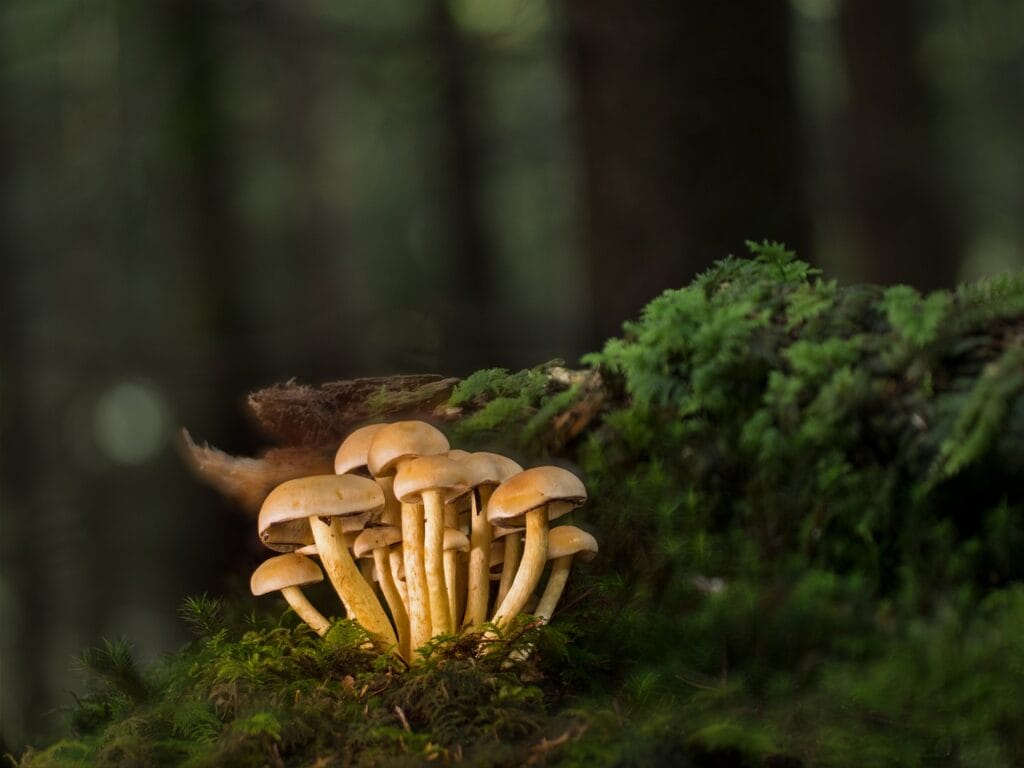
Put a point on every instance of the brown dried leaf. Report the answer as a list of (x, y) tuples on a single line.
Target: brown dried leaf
[(247, 481)]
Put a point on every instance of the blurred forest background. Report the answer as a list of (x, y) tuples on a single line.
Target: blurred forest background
[(200, 197)]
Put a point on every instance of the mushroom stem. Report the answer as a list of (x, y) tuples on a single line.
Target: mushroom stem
[(535, 555), (479, 560), (433, 562), (393, 598), (554, 588), (415, 576), (356, 595), (451, 573), (305, 610), (513, 549), (397, 566)]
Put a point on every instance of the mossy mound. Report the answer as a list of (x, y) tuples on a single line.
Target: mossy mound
[(810, 506)]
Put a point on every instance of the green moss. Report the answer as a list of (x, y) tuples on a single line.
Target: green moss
[(808, 503)]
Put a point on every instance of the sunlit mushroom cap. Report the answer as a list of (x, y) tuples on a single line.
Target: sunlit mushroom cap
[(430, 473), (458, 454), (403, 440), (353, 451), (500, 531), (375, 538), (455, 539), (491, 468), (559, 489), (282, 571), (283, 520), (565, 540)]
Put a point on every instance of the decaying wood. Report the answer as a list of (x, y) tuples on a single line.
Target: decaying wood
[(299, 414), (308, 422)]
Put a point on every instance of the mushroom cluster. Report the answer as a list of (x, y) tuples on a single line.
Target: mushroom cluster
[(450, 540)]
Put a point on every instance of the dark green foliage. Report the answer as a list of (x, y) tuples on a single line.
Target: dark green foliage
[(278, 694), (811, 518)]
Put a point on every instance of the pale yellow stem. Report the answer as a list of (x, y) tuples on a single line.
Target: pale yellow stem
[(305, 610), (513, 549), (433, 562), (554, 588), (356, 595), (415, 577), (394, 599), (535, 555), (395, 556), (451, 575), (479, 561)]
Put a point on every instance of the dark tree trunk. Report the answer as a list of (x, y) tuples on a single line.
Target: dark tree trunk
[(19, 539), (207, 215), (898, 212), (690, 147), (468, 283)]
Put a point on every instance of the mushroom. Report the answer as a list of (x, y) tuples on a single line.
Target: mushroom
[(326, 501), (392, 446), (564, 542), (375, 543), (431, 480), (511, 540), (286, 574), (487, 471), (455, 541), (537, 496), (351, 456)]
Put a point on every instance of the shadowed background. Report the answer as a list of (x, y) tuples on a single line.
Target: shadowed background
[(200, 197)]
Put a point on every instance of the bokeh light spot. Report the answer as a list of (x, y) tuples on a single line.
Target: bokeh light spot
[(130, 422)]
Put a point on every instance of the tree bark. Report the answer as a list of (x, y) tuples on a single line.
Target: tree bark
[(900, 217), (688, 126)]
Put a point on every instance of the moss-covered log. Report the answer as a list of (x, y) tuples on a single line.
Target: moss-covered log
[(810, 507)]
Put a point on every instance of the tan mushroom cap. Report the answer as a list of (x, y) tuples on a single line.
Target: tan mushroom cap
[(455, 539), (375, 538), (283, 520), (430, 473), (352, 526), (500, 531), (354, 449), (555, 487), (281, 571), (491, 468), (458, 454), (402, 440), (566, 540)]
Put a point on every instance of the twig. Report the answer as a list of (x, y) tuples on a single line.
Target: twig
[(546, 745), (401, 719)]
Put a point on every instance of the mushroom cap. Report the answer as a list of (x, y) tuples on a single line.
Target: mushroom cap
[(403, 440), (491, 468), (456, 539), (430, 473), (569, 540), (458, 454), (353, 451), (375, 538), (280, 571), (499, 531), (558, 489), (284, 516)]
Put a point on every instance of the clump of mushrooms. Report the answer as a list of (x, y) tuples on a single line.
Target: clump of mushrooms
[(430, 525)]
